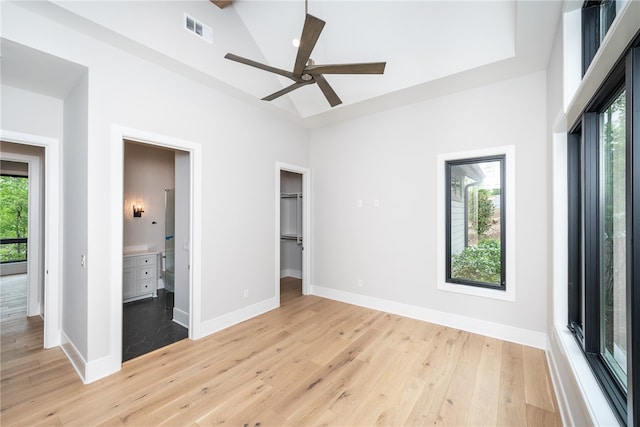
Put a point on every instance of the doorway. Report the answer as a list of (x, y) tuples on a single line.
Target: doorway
[(292, 189), (155, 275), (42, 273)]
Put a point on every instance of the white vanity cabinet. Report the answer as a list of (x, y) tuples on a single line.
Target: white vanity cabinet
[(139, 276)]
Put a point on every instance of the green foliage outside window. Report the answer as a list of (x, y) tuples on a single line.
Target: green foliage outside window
[(484, 218), (479, 263), (14, 216)]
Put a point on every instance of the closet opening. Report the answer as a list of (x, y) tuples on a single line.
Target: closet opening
[(293, 255), (291, 235)]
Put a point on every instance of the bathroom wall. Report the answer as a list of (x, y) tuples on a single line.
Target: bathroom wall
[(148, 171)]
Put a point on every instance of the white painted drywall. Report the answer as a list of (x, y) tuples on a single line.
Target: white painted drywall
[(240, 144), (29, 112), (389, 160), (75, 205)]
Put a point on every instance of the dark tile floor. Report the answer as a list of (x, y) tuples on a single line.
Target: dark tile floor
[(147, 325)]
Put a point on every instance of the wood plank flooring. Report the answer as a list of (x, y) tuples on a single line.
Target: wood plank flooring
[(13, 296), (311, 362)]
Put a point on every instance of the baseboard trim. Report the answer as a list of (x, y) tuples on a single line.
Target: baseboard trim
[(88, 371), (469, 324), (290, 272), (181, 317), (212, 326), (74, 356)]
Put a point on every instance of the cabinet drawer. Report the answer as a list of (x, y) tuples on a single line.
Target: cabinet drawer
[(146, 260), (147, 273), (128, 262), (146, 286)]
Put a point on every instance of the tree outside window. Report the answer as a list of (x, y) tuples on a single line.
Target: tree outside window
[(14, 202)]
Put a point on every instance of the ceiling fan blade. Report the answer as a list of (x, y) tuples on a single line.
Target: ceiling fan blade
[(285, 90), (310, 34), (362, 68), (327, 90), (255, 64)]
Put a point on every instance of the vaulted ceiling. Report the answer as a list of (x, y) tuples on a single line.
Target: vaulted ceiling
[(431, 47)]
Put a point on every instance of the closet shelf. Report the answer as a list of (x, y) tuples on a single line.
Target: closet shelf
[(291, 195), (291, 237)]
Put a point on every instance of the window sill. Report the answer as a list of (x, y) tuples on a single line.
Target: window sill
[(505, 295), (587, 388)]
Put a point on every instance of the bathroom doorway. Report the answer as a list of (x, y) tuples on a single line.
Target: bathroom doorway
[(155, 276)]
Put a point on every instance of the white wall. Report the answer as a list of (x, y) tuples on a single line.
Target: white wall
[(240, 145), (391, 157), (148, 171), (75, 222), (29, 112)]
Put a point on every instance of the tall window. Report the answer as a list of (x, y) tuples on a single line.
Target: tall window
[(597, 16), (475, 231), (604, 249)]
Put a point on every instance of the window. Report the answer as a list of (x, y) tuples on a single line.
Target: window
[(475, 232), (604, 249), (476, 222), (597, 17), (14, 202)]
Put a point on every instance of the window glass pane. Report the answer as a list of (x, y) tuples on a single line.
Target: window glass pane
[(476, 239), (613, 238), (14, 201), (607, 14)]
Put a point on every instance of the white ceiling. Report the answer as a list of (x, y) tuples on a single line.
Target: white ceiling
[(431, 47), (420, 41)]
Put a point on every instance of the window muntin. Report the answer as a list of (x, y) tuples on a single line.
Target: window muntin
[(475, 242)]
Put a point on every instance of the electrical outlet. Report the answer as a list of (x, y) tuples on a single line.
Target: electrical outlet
[(245, 293), (360, 283)]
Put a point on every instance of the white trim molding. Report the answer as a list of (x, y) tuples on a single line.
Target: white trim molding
[(509, 294), (193, 320), (181, 317), (74, 356), (53, 234), (226, 320), (469, 324), (305, 275)]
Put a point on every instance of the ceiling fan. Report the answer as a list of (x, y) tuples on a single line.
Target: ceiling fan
[(305, 71)]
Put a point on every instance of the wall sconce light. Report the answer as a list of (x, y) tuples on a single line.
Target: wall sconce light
[(137, 211)]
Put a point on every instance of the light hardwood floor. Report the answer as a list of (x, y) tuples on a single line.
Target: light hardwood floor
[(13, 296), (311, 362)]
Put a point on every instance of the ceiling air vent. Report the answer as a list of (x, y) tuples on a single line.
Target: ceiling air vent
[(198, 28)]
